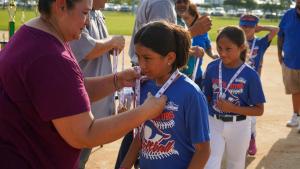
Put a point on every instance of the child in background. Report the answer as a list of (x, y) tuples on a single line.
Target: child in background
[(179, 137), (234, 91), (258, 47), (201, 40)]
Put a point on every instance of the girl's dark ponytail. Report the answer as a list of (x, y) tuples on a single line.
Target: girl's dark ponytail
[(183, 45)]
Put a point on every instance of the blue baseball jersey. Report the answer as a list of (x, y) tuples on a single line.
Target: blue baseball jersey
[(290, 32), (167, 140), (204, 42), (260, 47), (246, 90)]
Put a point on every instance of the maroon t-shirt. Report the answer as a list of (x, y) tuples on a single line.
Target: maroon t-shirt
[(40, 80)]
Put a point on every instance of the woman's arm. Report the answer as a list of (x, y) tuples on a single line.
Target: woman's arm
[(82, 130), (201, 155), (132, 154), (99, 87), (226, 106)]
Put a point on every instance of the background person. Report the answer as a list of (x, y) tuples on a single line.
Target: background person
[(234, 91), (202, 41), (257, 48), (289, 59), (45, 116), (92, 54)]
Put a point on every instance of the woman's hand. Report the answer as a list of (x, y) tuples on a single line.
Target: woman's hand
[(127, 78), (118, 42), (197, 51), (154, 106)]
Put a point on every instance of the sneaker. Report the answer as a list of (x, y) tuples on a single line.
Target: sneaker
[(252, 147), (293, 122)]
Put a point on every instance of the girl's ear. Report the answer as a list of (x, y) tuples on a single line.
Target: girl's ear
[(171, 57)]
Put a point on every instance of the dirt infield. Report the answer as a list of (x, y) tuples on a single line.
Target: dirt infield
[(278, 145)]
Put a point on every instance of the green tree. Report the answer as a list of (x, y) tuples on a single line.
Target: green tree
[(285, 4), (249, 4), (233, 3)]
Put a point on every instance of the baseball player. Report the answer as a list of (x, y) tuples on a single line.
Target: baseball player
[(258, 47), (234, 92)]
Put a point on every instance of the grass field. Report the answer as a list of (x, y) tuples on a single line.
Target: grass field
[(122, 23)]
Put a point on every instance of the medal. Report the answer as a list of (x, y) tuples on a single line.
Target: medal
[(222, 94)]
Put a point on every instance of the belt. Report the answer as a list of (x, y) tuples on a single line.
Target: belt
[(227, 118)]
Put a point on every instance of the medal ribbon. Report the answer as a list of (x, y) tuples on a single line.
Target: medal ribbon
[(231, 80), (252, 48), (195, 69)]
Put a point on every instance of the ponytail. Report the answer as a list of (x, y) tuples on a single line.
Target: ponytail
[(183, 45), (243, 55)]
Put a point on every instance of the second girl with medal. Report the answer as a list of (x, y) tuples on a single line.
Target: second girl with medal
[(234, 92)]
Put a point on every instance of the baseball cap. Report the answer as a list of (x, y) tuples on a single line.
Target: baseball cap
[(249, 20)]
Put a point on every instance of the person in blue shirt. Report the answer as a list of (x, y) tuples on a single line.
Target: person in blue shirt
[(289, 58), (257, 49), (234, 92), (202, 40), (179, 137)]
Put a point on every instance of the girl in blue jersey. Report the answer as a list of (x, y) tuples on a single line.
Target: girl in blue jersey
[(234, 92), (258, 47), (179, 137)]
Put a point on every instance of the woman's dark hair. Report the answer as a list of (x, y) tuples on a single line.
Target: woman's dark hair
[(235, 35), (44, 6), (163, 37)]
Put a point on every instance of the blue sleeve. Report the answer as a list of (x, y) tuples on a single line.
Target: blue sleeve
[(255, 92), (207, 84), (265, 42), (207, 42), (196, 115)]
